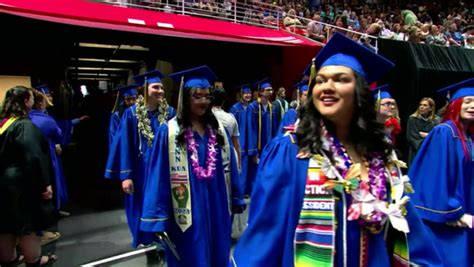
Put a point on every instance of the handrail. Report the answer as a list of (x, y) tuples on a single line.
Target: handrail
[(239, 13)]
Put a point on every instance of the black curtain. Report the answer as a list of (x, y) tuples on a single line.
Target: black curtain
[(420, 71)]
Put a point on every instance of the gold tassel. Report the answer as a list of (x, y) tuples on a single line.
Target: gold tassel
[(116, 102), (179, 109)]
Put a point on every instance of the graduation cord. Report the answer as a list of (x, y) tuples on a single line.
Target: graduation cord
[(260, 122)]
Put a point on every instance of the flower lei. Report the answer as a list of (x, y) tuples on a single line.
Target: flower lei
[(372, 191), (163, 111), (211, 156), (144, 121)]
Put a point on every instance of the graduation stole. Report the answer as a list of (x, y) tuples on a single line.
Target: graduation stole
[(315, 232), (260, 121), (179, 175), (6, 123)]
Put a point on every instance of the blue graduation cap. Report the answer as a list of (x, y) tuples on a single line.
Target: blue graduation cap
[(302, 86), (127, 90), (43, 89), (199, 77), (153, 76), (263, 84), (459, 90), (342, 51), (246, 88), (382, 92)]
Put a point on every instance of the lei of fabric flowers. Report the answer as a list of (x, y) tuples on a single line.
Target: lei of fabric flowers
[(211, 157), (143, 121), (366, 195), (163, 111)]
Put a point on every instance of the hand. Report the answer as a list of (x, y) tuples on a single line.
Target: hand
[(458, 224), (84, 118), (48, 194), (423, 134), (58, 149), (255, 159), (127, 186)]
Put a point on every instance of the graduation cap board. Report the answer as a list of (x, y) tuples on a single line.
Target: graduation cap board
[(127, 90), (199, 77), (153, 76), (342, 51), (263, 84), (459, 90), (44, 88), (302, 86), (246, 88), (382, 92)]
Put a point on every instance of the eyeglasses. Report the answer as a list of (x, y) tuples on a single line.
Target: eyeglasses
[(202, 98), (389, 105)]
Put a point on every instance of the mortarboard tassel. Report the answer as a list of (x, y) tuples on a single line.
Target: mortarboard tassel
[(116, 102), (180, 99)]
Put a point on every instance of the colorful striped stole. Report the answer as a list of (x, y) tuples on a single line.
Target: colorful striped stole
[(315, 233)]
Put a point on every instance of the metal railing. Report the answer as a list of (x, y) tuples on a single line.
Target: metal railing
[(256, 14)]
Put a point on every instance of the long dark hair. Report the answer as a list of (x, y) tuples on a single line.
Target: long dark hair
[(365, 132), (185, 121), (14, 104)]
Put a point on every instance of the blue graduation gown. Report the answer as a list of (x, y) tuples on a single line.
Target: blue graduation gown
[(53, 134), (269, 129), (289, 118), (113, 126), (207, 242), (128, 159), (240, 113), (443, 179), (277, 200)]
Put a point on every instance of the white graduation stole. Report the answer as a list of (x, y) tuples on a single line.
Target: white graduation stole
[(179, 175)]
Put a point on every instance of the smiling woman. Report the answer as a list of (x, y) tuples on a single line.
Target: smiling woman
[(335, 163)]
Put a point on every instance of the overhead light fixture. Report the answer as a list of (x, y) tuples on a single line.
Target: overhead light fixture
[(93, 79), (121, 47), (97, 74), (98, 69), (104, 60)]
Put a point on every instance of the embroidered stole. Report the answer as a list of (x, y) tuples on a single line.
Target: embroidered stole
[(315, 233), (179, 175), (6, 124)]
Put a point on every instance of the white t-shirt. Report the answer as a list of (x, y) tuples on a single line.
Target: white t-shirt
[(228, 121)]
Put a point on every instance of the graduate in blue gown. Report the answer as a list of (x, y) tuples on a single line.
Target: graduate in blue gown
[(193, 183), (262, 126), (53, 134), (239, 110), (130, 151), (126, 97), (326, 194), (443, 178), (280, 104), (292, 115), (66, 125)]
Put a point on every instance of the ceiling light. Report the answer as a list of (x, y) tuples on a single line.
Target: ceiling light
[(121, 47), (99, 69)]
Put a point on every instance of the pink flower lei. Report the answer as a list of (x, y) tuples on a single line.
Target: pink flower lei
[(211, 156), (376, 172)]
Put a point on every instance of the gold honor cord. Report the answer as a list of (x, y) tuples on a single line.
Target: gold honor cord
[(260, 122), (116, 102), (7, 124)]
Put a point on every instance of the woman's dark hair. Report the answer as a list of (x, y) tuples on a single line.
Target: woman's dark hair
[(14, 103), (365, 132), (184, 121)]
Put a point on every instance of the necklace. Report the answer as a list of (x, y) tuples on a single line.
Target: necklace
[(200, 172)]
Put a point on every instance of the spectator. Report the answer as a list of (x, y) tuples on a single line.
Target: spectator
[(436, 37), (454, 37), (315, 29), (291, 19), (414, 35), (398, 35), (409, 18)]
